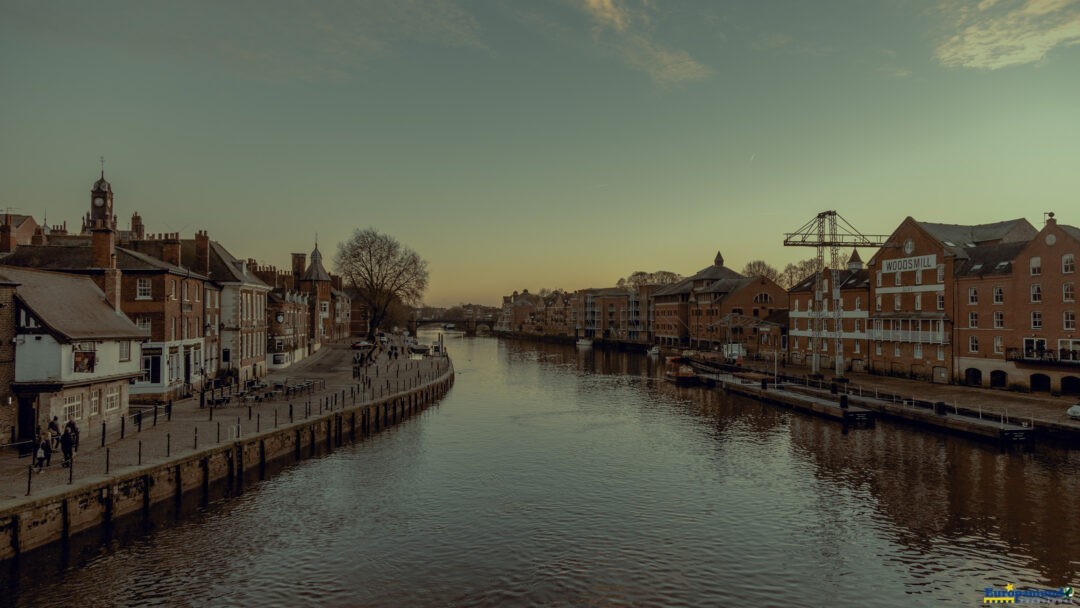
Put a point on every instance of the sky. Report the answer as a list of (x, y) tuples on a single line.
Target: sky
[(523, 144)]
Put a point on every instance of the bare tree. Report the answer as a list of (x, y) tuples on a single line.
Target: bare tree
[(640, 277), (381, 270), (761, 268), (793, 274)]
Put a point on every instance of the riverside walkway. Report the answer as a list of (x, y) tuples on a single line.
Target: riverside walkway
[(330, 382)]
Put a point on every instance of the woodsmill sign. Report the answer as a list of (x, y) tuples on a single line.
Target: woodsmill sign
[(919, 262)]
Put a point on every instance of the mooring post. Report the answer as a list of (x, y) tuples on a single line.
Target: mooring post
[(258, 422), (29, 477), (140, 452), (102, 433), (168, 411), (107, 455), (168, 444), (123, 423), (219, 432)]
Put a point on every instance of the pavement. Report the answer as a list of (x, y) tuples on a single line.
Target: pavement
[(191, 427), (995, 403)]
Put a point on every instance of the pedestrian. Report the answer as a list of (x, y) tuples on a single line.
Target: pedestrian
[(54, 430), (39, 456), (48, 450), (66, 446), (74, 429)]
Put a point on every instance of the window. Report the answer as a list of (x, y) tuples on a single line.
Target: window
[(896, 302), (973, 295), (879, 278), (858, 326), (1036, 319), (1035, 266), (83, 357), (896, 278), (999, 295), (1068, 293), (112, 398), (999, 346), (95, 403), (143, 323), (858, 302), (941, 273), (73, 407), (973, 344), (796, 305), (1068, 320), (1068, 263), (184, 289), (918, 350), (999, 319), (896, 349), (172, 289), (973, 319), (858, 347), (940, 353), (918, 301), (142, 289), (125, 350), (877, 348), (941, 301), (918, 277), (198, 288), (1036, 293)]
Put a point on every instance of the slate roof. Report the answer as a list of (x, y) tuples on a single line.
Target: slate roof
[(988, 260), (958, 238), (726, 286), (315, 271), (1072, 231), (849, 279), (79, 257), (72, 307)]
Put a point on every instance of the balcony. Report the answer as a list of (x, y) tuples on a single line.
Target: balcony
[(921, 337), (1059, 358)]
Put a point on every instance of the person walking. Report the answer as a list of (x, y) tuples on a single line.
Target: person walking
[(43, 449), (45, 443), (54, 431), (74, 430), (67, 446)]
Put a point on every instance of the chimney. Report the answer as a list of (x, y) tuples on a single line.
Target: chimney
[(7, 235), (39, 236), (335, 280), (202, 253), (103, 247), (299, 262), (170, 248), (111, 287)]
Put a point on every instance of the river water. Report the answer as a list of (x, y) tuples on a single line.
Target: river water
[(554, 477)]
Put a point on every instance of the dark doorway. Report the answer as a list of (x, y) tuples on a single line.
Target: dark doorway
[(973, 377), (998, 379), (1070, 385), (1040, 383)]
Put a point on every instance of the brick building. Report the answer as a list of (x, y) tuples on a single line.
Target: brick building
[(914, 294), (854, 283)]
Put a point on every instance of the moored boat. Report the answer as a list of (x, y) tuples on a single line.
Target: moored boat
[(680, 373), (584, 343)]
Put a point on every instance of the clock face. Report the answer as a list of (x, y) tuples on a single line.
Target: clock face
[(909, 246), (99, 201), (280, 318)]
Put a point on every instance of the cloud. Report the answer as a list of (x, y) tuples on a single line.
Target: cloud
[(270, 41), (770, 41), (993, 34), (627, 33)]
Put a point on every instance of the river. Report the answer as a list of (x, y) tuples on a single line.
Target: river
[(554, 477)]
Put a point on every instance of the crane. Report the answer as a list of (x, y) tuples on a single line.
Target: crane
[(829, 230)]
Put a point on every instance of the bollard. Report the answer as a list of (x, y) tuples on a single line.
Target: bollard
[(168, 444), (71, 470), (833, 388), (196, 438), (290, 413), (168, 411), (238, 427), (843, 402), (138, 421), (102, 433), (219, 432), (258, 422), (275, 417), (140, 452), (211, 407), (29, 477), (123, 423), (107, 457), (249, 412), (155, 414)]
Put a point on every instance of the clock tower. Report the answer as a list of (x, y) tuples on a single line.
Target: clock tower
[(101, 205)]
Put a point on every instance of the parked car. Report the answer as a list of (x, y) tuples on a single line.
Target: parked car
[(362, 345), (1074, 412)]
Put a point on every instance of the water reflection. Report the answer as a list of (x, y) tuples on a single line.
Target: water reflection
[(553, 476)]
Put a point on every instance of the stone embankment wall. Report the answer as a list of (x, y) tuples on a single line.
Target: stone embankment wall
[(97, 502)]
